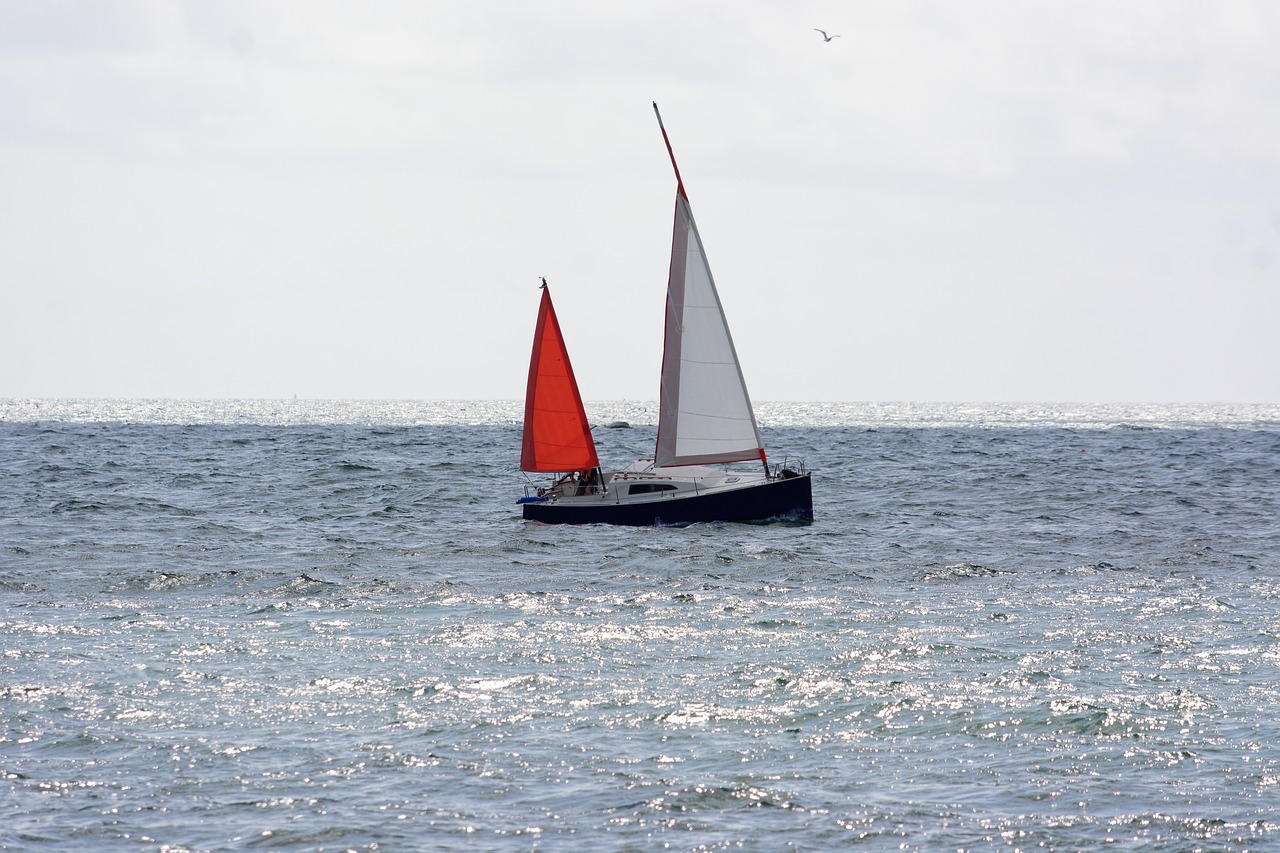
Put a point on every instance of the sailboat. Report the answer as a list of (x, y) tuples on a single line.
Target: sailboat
[(705, 419)]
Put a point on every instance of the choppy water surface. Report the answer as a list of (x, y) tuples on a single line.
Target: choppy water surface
[(300, 626)]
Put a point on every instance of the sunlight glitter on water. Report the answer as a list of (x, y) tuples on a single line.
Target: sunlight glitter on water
[(769, 413), (989, 638)]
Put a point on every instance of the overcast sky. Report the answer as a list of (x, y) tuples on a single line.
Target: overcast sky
[(976, 201)]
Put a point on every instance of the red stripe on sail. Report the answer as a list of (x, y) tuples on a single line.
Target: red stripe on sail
[(670, 152), (557, 436)]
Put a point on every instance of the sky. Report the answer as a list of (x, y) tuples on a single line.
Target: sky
[(955, 200)]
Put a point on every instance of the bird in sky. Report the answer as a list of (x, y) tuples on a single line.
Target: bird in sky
[(826, 37)]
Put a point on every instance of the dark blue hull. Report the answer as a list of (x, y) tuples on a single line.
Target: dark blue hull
[(783, 499)]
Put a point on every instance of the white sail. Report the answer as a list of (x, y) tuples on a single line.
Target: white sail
[(705, 413)]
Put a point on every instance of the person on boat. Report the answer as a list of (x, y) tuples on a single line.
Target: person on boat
[(587, 481)]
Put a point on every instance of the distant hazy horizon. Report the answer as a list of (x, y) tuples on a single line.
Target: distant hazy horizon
[(602, 413)]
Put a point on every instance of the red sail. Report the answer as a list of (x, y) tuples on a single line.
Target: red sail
[(556, 434)]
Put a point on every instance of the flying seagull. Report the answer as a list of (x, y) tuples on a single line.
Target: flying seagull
[(826, 37)]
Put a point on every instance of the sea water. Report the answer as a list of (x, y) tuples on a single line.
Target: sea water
[(288, 625)]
